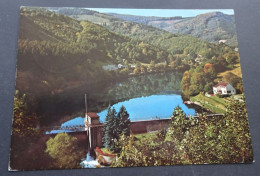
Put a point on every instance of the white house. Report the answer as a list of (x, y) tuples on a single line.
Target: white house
[(223, 88), (222, 41)]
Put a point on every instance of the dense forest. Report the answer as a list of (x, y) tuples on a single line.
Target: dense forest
[(71, 52)]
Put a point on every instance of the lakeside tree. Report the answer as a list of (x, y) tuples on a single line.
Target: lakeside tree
[(185, 84), (123, 122), (115, 126), (109, 129), (65, 150)]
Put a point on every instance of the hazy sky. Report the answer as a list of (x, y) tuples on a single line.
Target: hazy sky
[(161, 12)]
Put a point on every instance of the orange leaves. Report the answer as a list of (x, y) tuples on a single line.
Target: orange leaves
[(208, 67), (186, 74)]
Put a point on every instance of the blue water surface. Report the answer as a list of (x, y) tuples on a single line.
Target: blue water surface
[(143, 108), (74, 122), (151, 107)]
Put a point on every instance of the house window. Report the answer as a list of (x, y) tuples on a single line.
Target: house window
[(229, 91)]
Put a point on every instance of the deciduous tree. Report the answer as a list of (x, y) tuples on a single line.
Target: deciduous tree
[(65, 150)]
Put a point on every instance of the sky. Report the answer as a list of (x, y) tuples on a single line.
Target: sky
[(162, 12)]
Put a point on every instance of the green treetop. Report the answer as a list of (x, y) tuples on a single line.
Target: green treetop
[(64, 149)]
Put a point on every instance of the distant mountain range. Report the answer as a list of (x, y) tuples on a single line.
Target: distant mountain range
[(173, 43), (212, 27)]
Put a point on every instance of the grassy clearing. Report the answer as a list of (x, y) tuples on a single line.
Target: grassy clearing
[(145, 135), (213, 103), (236, 71)]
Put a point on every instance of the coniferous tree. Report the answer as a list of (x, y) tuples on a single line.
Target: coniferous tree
[(124, 121), (107, 128), (115, 126), (114, 133), (110, 129)]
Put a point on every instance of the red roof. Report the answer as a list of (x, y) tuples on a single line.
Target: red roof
[(223, 84), (92, 115)]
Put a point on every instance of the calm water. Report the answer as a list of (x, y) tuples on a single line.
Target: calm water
[(144, 108), (145, 97), (151, 107)]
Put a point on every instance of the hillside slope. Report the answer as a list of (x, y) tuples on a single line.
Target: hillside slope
[(175, 44), (56, 51), (211, 27)]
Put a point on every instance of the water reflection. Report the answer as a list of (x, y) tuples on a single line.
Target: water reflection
[(71, 102)]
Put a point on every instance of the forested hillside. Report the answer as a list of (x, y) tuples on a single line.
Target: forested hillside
[(211, 27), (56, 51), (175, 44)]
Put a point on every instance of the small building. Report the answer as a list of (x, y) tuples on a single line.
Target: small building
[(94, 129), (222, 41), (92, 118), (109, 67), (224, 88)]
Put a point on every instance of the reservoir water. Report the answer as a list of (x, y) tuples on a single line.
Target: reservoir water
[(151, 107), (144, 108), (145, 97)]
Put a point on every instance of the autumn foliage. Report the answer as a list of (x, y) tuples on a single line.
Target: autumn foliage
[(208, 68)]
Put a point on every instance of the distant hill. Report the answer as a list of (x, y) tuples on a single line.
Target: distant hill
[(211, 27), (175, 44), (143, 19)]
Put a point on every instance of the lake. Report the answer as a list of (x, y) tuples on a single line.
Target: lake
[(150, 107), (145, 97), (143, 108)]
